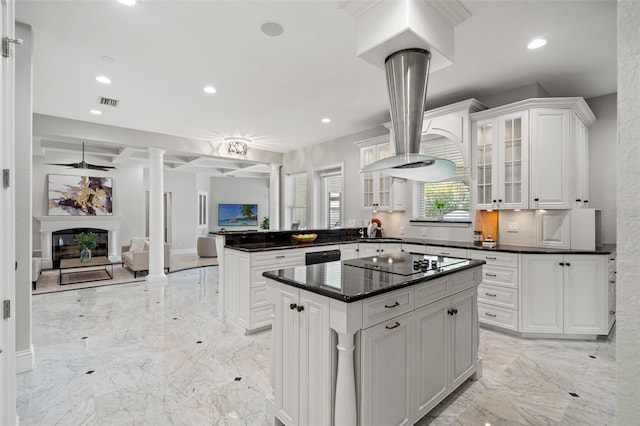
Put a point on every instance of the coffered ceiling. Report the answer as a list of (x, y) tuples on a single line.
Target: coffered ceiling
[(275, 90)]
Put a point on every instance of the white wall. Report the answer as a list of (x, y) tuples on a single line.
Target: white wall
[(602, 162), (238, 191), (128, 192), (23, 146)]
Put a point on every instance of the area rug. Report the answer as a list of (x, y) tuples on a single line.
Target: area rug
[(49, 279)]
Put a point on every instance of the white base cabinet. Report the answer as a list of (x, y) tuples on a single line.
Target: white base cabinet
[(377, 249), (385, 360), (565, 294)]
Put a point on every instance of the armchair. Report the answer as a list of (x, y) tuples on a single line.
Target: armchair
[(138, 261)]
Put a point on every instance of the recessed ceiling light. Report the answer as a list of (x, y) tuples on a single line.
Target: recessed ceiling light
[(103, 79), (95, 111), (326, 120), (537, 43), (209, 89), (128, 2), (108, 59), (272, 29)]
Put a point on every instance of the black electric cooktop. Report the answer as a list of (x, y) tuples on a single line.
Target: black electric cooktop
[(404, 264)]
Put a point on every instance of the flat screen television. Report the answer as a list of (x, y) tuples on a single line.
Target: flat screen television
[(237, 215)]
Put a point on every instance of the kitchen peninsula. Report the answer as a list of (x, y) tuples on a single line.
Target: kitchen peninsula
[(374, 340)]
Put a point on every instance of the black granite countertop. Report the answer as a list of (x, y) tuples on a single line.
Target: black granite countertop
[(604, 249), (342, 281)]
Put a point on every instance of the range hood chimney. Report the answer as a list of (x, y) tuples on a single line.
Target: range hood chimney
[(407, 74)]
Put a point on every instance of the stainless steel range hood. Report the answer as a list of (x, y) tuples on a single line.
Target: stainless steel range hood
[(407, 75)]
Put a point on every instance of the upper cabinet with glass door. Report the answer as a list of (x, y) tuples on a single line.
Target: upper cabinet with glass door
[(538, 154), (500, 162), (379, 190)]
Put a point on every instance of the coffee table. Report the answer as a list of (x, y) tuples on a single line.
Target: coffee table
[(75, 266)]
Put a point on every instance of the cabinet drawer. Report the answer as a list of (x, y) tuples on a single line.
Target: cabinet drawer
[(278, 258), (261, 317), (465, 279), (386, 306), (495, 258), (414, 248), (498, 296), (431, 291), (496, 275), (500, 317), (446, 251), (259, 296)]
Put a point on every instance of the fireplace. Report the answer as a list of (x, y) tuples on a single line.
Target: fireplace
[(64, 245), (51, 224)]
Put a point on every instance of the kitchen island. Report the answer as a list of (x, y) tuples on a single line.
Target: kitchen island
[(375, 340)]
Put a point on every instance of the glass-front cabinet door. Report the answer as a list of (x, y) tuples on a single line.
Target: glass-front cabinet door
[(368, 156), (513, 140), (484, 164), (384, 180)]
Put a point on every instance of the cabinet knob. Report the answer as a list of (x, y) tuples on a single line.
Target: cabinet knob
[(450, 311), (561, 263), (300, 308), (536, 199), (568, 264), (455, 311), (612, 312), (292, 306), (494, 201), (585, 201), (499, 200), (578, 200)]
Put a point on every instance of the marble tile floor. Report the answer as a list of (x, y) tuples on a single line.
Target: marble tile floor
[(156, 354)]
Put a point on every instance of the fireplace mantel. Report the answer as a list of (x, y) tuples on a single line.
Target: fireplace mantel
[(49, 224)]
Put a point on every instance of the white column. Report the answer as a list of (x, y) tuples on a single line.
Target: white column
[(274, 197), (114, 249), (156, 216), (45, 247), (345, 401)]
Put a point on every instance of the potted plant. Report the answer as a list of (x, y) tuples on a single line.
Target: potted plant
[(265, 223), (440, 206), (86, 241)]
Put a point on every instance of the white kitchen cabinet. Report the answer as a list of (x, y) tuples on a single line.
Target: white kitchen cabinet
[(446, 342), (531, 154), (501, 146), (348, 251), (414, 248), (379, 190), (551, 158), (246, 304), (386, 381), (498, 295), (446, 251), (302, 349), (565, 294), (553, 228), (376, 249)]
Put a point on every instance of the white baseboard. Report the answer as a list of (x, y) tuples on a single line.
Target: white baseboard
[(25, 360)]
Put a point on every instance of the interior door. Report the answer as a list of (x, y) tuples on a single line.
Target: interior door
[(7, 221)]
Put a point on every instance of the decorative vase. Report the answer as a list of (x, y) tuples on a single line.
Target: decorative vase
[(85, 255)]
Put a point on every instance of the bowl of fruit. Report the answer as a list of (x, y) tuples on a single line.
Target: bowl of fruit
[(304, 238)]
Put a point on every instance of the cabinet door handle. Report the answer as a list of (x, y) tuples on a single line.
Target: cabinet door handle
[(561, 263), (450, 311), (578, 200), (613, 258), (490, 275), (292, 306), (612, 282), (536, 199), (612, 312), (392, 306), (490, 315), (585, 201), (280, 257), (490, 258), (445, 253), (568, 264), (396, 325), (491, 294), (455, 311), (300, 308)]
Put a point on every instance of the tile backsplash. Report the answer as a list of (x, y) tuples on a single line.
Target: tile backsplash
[(524, 221)]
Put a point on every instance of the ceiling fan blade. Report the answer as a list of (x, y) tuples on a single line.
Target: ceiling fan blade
[(97, 167), (74, 165)]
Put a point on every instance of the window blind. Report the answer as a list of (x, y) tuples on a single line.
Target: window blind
[(331, 207), (450, 198), (299, 213)]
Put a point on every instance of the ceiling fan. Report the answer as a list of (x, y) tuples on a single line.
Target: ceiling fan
[(83, 164)]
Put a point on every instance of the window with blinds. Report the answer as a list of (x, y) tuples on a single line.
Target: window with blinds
[(299, 206), (450, 200), (331, 199)]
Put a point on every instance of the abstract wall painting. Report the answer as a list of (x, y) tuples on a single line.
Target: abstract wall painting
[(80, 196)]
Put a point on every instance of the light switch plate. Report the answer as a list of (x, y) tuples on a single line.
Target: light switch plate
[(512, 227)]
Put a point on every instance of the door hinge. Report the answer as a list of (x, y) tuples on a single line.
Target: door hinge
[(6, 174), (6, 45), (6, 309)]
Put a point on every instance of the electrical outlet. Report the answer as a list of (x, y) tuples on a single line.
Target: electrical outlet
[(512, 227)]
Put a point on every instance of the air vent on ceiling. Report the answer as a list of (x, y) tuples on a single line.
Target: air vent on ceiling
[(109, 102)]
